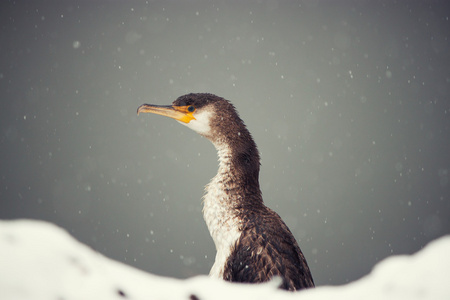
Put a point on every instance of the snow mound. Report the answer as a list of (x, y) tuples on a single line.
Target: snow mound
[(39, 260)]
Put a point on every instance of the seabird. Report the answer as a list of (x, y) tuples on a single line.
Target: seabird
[(253, 243)]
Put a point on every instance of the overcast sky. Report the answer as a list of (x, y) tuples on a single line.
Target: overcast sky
[(348, 102)]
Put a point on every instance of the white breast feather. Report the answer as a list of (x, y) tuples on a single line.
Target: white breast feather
[(219, 217)]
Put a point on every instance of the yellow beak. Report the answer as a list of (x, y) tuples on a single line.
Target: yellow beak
[(179, 113)]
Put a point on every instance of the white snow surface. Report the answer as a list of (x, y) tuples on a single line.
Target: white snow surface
[(39, 260)]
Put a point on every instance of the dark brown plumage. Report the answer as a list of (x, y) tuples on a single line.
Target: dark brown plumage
[(253, 243), (267, 245)]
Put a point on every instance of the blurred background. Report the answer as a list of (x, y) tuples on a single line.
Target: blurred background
[(348, 101)]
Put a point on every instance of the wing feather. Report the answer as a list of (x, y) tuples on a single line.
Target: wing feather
[(266, 249)]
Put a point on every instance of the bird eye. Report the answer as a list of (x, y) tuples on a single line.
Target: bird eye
[(191, 108)]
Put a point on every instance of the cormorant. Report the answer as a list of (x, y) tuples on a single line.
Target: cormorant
[(253, 243)]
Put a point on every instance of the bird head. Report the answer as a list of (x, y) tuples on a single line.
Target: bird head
[(207, 114)]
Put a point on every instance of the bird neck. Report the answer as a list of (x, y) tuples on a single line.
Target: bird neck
[(238, 174), (233, 192)]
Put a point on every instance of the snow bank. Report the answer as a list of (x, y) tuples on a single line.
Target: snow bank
[(39, 260)]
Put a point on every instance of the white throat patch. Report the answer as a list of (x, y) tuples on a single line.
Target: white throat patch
[(201, 122)]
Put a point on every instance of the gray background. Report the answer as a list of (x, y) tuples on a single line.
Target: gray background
[(348, 102)]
